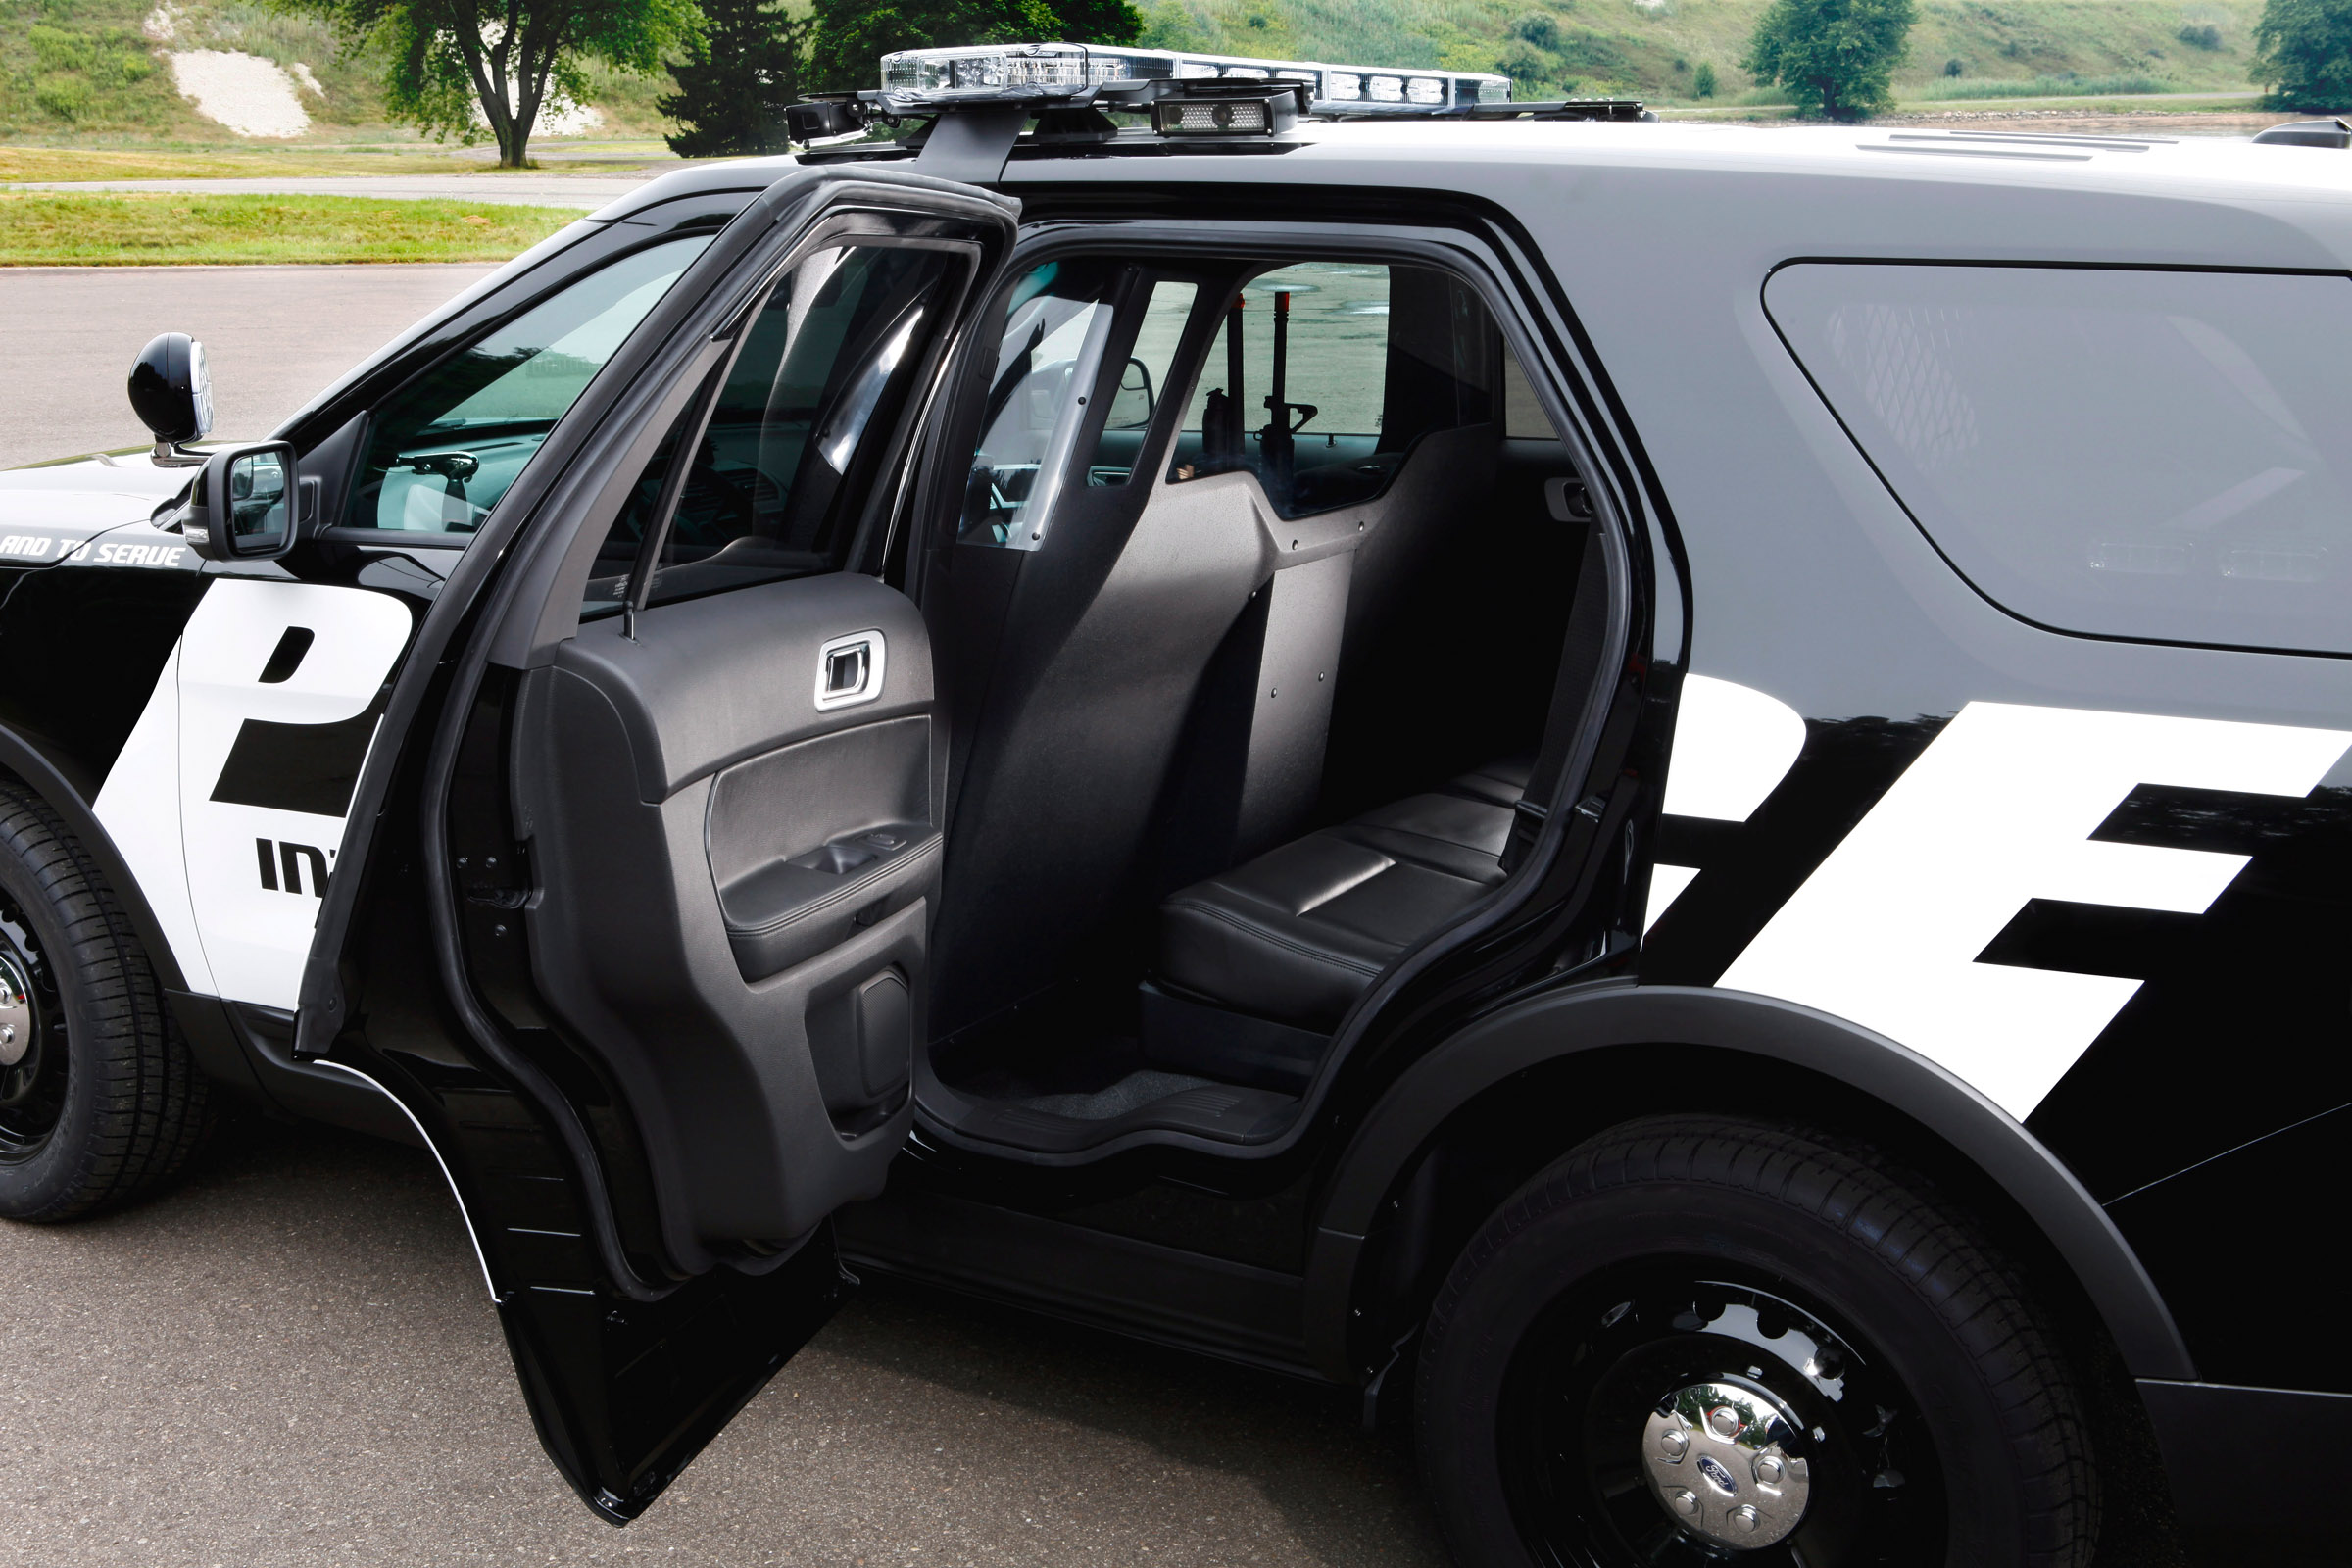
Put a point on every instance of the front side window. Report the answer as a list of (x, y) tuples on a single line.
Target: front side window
[(443, 449), (2103, 450)]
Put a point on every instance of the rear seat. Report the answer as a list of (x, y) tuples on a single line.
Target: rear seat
[(1296, 934)]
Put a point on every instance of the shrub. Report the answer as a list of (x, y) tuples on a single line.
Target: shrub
[(2303, 53), (1539, 28), (2199, 35), (1955, 67), (1702, 80), (1836, 57)]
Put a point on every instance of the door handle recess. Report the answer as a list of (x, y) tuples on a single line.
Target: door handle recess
[(849, 670)]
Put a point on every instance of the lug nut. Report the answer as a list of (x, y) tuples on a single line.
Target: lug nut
[(1768, 1470), (1674, 1444), (1724, 1421), (1684, 1502), (1745, 1520)]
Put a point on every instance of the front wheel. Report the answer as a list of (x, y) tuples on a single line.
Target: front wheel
[(99, 1098), (1700, 1341)]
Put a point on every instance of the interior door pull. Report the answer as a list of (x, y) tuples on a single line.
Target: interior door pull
[(849, 670)]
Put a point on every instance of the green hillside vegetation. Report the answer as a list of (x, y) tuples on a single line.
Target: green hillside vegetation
[(1960, 48), (83, 72)]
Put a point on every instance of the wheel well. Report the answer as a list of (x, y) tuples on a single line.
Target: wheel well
[(1495, 1141)]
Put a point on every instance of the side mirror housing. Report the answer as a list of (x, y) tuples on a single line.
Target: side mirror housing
[(243, 506), (171, 393)]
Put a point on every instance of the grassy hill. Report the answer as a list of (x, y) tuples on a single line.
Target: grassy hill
[(1650, 48), (89, 72)]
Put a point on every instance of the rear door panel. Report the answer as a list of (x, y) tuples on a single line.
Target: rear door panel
[(654, 986)]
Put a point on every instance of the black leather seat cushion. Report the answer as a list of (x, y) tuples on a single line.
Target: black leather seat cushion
[(1296, 934)]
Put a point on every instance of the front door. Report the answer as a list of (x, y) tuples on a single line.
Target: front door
[(682, 836)]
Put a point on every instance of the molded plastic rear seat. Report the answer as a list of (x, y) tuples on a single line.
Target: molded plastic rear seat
[(1296, 934)]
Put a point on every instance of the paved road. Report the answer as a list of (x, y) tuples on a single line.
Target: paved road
[(291, 1361), (273, 336), (524, 190)]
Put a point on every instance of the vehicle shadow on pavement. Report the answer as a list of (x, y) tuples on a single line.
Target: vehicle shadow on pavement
[(291, 1360)]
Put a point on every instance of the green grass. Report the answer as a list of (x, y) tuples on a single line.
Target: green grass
[(46, 229)]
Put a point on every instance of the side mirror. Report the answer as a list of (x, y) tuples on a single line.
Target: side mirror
[(243, 505), (171, 393)]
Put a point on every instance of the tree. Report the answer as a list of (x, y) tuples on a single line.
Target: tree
[(459, 66), (852, 35), (740, 71), (1836, 57), (1702, 80), (2303, 53)]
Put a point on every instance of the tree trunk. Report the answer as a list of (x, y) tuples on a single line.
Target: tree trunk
[(490, 91)]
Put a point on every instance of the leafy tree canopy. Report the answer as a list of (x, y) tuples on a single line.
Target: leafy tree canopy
[(2303, 53), (738, 76), (852, 35), (1836, 57), (506, 59)]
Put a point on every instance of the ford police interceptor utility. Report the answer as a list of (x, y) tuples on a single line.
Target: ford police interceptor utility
[(1674, 796)]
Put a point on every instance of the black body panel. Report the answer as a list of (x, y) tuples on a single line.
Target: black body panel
[(2220, 1451)]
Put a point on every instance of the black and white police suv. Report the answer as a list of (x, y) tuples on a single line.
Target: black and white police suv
[(1675, 795)]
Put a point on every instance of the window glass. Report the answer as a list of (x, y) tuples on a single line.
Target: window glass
[(2132, 454), (1523, 417), (1142, 381), (1055, 332), (1325, 372), (443, 449), (785, 463)]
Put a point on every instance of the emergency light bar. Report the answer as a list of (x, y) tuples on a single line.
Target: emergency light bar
[(919, 81)]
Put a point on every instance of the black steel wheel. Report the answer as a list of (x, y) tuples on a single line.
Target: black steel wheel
[(1703, 1341), (99, 1098)]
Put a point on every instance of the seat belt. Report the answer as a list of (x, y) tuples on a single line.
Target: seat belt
[(1580, 669)]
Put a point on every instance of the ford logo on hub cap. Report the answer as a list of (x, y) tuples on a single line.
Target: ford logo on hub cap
[(1718, 1475)]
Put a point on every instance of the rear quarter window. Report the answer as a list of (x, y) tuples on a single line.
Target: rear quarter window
[(2154, 454)]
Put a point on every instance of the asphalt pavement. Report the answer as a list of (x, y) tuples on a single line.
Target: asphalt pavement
[(272, 336), (588, 191), (291, 1360)]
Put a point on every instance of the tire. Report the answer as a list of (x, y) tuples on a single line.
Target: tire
[(101, 1100), (1684, 1292)]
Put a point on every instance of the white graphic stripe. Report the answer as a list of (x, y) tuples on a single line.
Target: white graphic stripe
[(1998, 810), (1733, 745)]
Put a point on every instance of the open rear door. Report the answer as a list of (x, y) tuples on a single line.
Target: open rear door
[(682, 829)]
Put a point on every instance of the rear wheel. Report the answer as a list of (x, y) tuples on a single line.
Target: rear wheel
[(99, 1098), (1707, 1341)]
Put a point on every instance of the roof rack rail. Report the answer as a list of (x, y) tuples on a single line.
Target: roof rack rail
[(1621, 109)]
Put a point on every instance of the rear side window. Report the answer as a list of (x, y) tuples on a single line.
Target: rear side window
[(784, 457), (2118, 453)]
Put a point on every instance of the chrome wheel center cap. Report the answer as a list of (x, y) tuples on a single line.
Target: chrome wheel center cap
[(1716, 1457), (16, 1011)]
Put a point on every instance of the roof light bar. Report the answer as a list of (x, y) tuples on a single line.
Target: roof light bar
[(919, 81)]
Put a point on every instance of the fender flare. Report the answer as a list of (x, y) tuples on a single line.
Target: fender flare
[(69, 794), (1564, 1024)]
